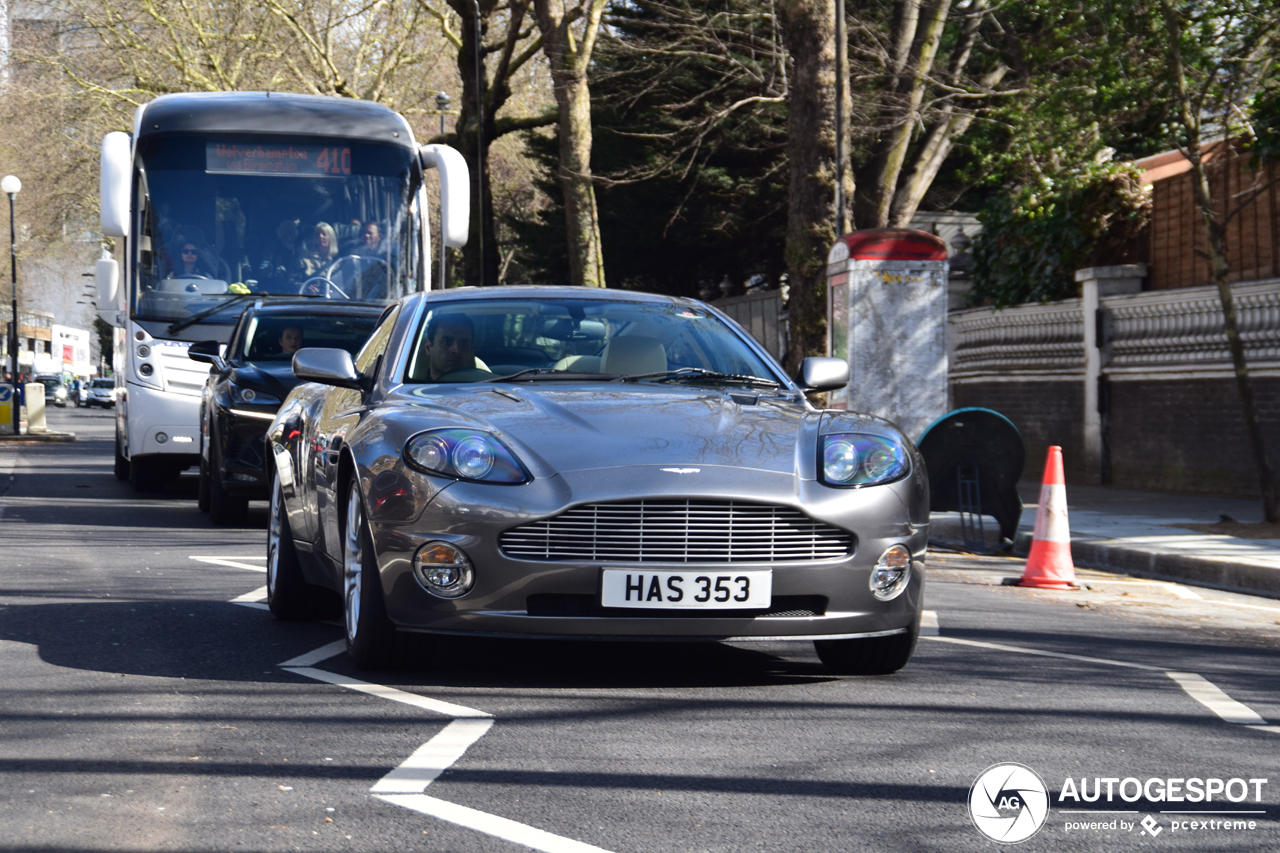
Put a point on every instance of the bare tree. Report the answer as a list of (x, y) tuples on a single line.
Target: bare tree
[(1218, 60), (809, 27), (569, 38)]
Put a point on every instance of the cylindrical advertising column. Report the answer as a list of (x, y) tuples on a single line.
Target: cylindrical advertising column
[(887, 292)]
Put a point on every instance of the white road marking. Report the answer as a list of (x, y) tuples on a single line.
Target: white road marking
[(1183, 592), (325, 652), (929, 623), (1196, 686), (1003, 648), (499, 827), (426, 703), (259, 594), (1208, 695), (434, 757), (233, 562)]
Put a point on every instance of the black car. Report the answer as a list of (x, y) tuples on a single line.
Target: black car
[(247, 385)]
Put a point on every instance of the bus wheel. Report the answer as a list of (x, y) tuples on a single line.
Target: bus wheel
[(122, 464), (146, 474)]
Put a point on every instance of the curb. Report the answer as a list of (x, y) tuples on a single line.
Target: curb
[(37, 438), (1160, 565)]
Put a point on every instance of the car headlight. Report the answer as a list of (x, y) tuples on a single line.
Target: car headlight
[(60, 393), (464, 454), (252, 397), (852, 459)]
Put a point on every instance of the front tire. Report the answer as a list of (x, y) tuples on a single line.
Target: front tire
[(869, 656), (122, 465), (224, 508), (202, 490), (288, 594), (372, 639)]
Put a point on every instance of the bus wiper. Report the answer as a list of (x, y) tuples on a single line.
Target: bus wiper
[(179, 325), (698, 374)]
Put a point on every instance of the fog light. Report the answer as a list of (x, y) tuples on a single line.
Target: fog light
[(443, 570), (146, 369), (162, 437), (891, 573), (144, 351)]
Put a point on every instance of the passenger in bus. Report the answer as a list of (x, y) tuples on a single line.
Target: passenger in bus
[(320, 250), (371, 242)]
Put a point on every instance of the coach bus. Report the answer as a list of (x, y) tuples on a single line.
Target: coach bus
[(218, 199)]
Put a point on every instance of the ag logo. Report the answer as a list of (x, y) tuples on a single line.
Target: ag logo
[(1008, 803)]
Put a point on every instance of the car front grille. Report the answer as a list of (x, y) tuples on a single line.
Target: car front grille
[(678, 531)]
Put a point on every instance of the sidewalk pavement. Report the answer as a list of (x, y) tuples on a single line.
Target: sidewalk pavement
[(1137, 533)]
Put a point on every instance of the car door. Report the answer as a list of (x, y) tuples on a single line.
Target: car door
[(339, 414)]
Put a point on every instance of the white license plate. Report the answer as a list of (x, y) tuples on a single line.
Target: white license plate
[(688, 590)]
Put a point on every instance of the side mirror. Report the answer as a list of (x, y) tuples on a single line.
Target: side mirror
[(117, 169), (824, 374), (455, 191), (207, 352), (328, 367)]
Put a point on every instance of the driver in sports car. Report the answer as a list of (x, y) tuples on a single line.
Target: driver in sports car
[(449, 345)]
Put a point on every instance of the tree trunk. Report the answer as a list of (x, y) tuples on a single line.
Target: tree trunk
[(570, 58), (811, 151)]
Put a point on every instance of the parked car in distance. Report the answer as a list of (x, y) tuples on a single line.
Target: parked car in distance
[(248, 383), (55, 389), (573, 463), (101, 392)]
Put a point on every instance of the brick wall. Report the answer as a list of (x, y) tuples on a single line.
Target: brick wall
[(1046, 413), (1189, 436)]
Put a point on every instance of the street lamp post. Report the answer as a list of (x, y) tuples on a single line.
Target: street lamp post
[(10, 185), (442, 104)]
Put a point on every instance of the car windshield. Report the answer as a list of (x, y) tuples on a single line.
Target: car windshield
[(231, 216), (48, 380), (104, 383), (536, 340), (278, 336)]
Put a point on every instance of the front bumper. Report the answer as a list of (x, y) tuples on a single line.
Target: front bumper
[(243, 435), (519, 597)]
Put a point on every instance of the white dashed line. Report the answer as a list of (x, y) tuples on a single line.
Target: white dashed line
[(499, 827), (434, 757), (1208, 695), (1040, 652), (234, 562), (928, 623), (253, 599)]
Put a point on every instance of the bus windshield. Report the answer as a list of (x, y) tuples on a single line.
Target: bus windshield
[(223, 217)]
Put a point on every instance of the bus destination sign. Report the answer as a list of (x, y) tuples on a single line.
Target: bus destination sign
[(277, 159)]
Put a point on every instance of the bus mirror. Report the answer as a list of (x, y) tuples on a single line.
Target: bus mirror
[(117, 165), (455, 191), (107, 277)]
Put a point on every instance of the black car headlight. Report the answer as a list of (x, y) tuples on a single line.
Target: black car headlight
[(465, 454), (241, 395), (855, 459)]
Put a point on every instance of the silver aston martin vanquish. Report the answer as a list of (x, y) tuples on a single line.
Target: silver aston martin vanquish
[(562, 462)]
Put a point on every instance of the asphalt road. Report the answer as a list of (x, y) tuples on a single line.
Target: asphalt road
[(143, 708)]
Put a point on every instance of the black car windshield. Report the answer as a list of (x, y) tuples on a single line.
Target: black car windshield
[(276, 337), (549, 339), (225, 216), (103, 383)]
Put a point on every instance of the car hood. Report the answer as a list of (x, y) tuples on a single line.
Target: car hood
[(607, 425)]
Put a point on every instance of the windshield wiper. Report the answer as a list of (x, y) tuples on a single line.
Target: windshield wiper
[(179, 325), (698, 374), (531, 373)]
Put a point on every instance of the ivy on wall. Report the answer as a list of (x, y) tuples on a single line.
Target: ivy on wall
[(1033, 239)]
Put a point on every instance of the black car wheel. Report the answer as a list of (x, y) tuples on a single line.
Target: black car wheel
[(147, 474), (869, 656), (288, 594), (122, 464), (372, 639), (224, 508)]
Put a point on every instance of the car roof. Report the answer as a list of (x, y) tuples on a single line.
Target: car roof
[(549, 291)]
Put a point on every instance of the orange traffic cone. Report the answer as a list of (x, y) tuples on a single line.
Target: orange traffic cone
[(1049, 564)]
